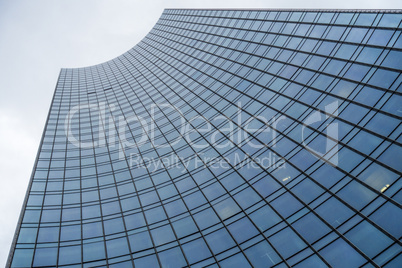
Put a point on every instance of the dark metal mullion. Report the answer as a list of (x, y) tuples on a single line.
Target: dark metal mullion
[(342, 171), (146, 221), (263, 199), (200, 188), (229, 196), (340, 235), (297, 143), (208, 199), (386, 138), (154, 187), (283, 219), (98, 190), (291, 64), (112, 170), (316, 130), (80, 192), (311, 210), (319, 11), (202, 236), (328, 93), (63, 181), (289, 35), (365, 206)]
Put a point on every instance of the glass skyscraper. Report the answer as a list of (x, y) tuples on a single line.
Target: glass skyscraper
[(226, 138)]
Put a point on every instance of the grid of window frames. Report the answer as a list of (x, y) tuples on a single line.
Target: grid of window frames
[(249, 139)]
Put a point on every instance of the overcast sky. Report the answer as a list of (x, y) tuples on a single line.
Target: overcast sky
[(39, 37)]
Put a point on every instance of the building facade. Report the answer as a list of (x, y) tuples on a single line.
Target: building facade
[(226, 138)]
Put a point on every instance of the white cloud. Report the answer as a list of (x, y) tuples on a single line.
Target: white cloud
[(18, 146)]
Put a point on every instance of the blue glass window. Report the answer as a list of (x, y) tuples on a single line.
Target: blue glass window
[(382, 124), (356, 195), (172, 257), (117, 247), (334, 212), (380, 37), (71, 232), (390, 20), (129, 203), (389, 217), (365, 19), (340, 254), (140, 241), (70, 255), (369, 55), (184, 227), (311, 228), (266, 186), (307, 190), (155, 214), (110, 208), (92, 229), (94, 251), (313, 261), (162, 235), (71, 214), (45, 257), (242, 230), (394, 105), (22, 258), (237, 260), (196, 250), (206, 218), (27, 235), (247, 197), (113, 226), (368, 239), (287, 242), (48, 234), (383, 78), (146, 262), (262, 254), (134, 221), (226, 208)]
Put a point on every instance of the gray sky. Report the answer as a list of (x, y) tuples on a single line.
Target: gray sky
[(39, 37)]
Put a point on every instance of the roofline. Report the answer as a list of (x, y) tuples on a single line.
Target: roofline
[(296, 10)]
